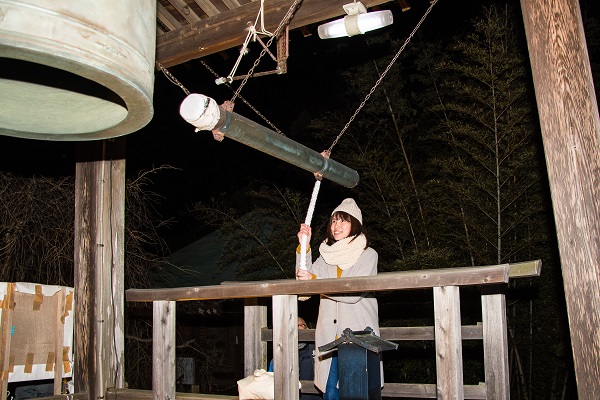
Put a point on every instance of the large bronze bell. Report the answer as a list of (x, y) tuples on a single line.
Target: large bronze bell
[(76, 69)]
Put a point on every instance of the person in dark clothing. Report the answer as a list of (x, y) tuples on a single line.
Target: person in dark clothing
[(306, 363), (307, 367)]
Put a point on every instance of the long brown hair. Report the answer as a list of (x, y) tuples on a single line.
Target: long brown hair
[(356, 228)]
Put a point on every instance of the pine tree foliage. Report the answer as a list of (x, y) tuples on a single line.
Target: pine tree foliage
[(489, 172)]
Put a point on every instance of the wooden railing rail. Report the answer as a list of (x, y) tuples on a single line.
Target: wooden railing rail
[(382, 282), (447, 330)]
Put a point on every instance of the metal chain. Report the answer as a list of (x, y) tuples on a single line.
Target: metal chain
[(172, 78), (286, 19), (382, 76), (245, 101)]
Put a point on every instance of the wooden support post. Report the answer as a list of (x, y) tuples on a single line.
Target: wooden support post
[(282, 51), (570, 125), (495, 343), (163, 350), (98, 335), (285, 347), (448, 342), (255, 350)]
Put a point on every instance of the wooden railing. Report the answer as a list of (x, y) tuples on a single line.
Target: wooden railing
[(447, 331)]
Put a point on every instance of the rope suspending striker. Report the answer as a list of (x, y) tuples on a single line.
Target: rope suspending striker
[(285, 21)]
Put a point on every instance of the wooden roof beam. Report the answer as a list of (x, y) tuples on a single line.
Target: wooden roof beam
[(229, 29)]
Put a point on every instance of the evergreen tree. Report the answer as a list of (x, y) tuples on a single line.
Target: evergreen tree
[(488, 169)]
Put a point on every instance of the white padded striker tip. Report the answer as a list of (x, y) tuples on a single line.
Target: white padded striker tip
[(200, 111)]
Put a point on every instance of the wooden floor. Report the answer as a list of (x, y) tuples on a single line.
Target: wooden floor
[(132, 394), (390, 390)]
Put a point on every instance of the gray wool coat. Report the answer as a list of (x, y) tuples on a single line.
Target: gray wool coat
[(337, 313)]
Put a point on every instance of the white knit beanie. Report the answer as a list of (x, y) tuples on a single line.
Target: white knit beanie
[(349, 206)]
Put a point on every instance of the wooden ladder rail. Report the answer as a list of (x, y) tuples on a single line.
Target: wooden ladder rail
[(444, 282)]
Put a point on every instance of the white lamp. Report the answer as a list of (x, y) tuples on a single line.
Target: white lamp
[(357, 22)]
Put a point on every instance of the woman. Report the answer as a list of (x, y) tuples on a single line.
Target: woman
[(344, 253)]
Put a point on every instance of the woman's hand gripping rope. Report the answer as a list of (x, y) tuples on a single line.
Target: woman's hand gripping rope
[(304, 235)]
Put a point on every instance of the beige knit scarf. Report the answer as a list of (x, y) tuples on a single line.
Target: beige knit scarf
[(345, 252)]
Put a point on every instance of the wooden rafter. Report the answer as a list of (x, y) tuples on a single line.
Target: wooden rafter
[(231, 4), (166, 18), (186, 11), (208, 7), (404, 5)]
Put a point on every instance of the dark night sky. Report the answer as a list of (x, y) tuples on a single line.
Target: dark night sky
[(206, 166)]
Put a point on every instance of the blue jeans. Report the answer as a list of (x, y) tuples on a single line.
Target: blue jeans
[(331, 390)]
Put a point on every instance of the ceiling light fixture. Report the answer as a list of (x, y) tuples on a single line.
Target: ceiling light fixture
[(357, 22)]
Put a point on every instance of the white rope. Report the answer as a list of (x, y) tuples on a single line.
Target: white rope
[(307, 221), (252, 35), (261, 14), (285, 21), (243, 52)]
